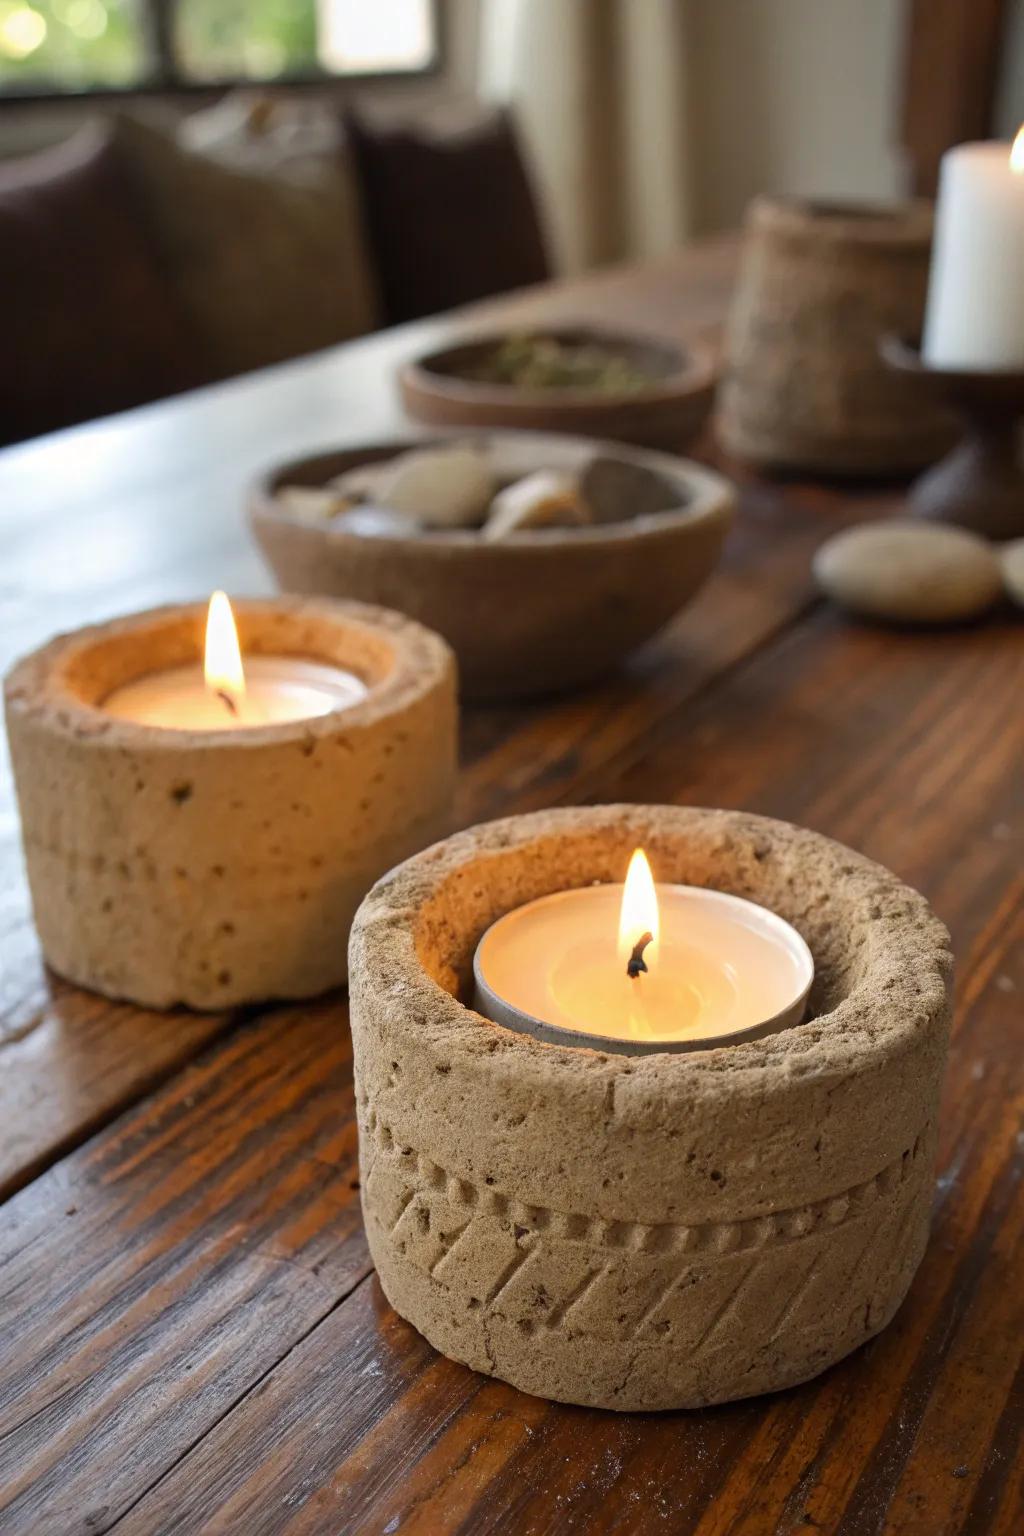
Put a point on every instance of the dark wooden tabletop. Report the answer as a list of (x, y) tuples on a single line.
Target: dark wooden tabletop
[(191, 1335)]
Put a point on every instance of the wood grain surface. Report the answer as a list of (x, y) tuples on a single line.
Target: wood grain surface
[(191, 1338)]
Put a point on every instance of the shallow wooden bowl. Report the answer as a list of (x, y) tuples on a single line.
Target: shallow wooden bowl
[(541, 611), (667, 414)]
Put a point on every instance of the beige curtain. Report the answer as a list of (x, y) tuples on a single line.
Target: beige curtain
[(599, 89)]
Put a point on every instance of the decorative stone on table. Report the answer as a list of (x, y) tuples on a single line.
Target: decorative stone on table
[(610, 483), (652, 1232), (804, 386), (441, 485), (1011, 560), (544, 499), (212, 868), (314, 504), (909, 572)]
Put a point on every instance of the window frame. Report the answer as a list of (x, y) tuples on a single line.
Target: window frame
[(165, 78)]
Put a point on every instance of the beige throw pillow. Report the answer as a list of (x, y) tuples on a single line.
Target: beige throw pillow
[(298, 138), (268, 268)]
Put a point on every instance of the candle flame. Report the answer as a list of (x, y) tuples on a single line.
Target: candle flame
[(1017, 154), (222, 660), (639, 911)]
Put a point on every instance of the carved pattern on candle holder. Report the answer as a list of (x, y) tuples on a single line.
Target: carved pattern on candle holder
[(421, 1176), (630, 1281)]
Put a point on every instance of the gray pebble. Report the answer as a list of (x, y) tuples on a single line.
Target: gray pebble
[(909, 572), (377, 523), (617, 490)]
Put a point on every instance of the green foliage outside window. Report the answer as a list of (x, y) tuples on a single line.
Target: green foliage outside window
[(70, 44), (239, 39), (78, 45)]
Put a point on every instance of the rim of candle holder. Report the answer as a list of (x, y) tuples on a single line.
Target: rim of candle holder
[(494, 1007), (871, 222), (397, 654), (995, 387)]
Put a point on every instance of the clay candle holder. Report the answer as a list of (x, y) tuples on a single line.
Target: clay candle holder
[(654, 1231), (216, 867), (980, 484), (804, 387)]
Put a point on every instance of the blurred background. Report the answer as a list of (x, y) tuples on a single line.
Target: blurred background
[(551, 135), (707, 100)]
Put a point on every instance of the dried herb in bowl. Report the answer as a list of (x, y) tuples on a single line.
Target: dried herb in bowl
[(545, 362)]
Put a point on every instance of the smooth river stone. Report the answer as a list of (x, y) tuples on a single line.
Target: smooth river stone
[(616, 490), (377, 523), (909, 572), (545, 499), (442, 487), (1011, 557), (312, 503)]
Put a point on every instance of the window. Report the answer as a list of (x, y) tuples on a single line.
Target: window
[(68, 46)]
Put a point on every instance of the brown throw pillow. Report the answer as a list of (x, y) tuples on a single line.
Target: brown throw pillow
[(267, 269), (89, 323), (451, 215)]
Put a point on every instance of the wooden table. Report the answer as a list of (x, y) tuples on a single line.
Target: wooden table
[(192, 1338)]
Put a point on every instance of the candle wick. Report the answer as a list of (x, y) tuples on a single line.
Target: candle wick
[(636, 962), (227, 701)]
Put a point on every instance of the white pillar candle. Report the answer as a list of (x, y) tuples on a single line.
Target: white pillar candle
[(719, 969), (975, 314), (220, 694)]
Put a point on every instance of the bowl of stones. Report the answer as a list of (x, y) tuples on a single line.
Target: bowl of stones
[(542, 560)]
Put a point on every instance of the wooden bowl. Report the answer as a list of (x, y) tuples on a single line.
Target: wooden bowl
[(541, 611), (666, 415)]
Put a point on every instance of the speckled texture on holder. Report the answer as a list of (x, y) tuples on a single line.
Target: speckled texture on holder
[(217, 868), (804, 385), (656, 1232)]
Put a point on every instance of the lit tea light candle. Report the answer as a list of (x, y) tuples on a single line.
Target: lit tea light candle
[(225, 695), (639, 968), (975, 317)]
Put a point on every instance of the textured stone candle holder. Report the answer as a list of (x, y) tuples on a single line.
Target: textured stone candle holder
[(214, 868), (661, 1231), (804, 387)]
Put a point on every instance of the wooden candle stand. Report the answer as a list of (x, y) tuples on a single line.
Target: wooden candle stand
[(980, 484)]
